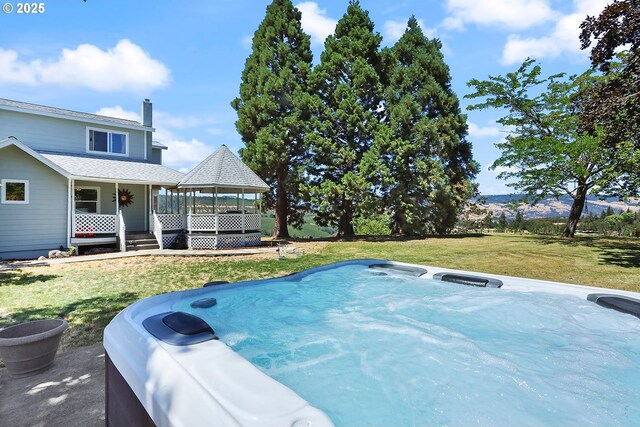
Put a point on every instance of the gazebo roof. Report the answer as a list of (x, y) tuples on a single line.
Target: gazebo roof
[(225, 172)]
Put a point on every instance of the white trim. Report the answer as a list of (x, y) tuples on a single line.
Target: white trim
[(123, 181), (87, 187), (96, 121), (3, 191), (109, 132), (70, 206)]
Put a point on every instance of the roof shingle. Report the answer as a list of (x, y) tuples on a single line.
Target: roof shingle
[(223, 170)]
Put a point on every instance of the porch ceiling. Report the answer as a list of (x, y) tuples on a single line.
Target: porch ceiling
[(114, 170)]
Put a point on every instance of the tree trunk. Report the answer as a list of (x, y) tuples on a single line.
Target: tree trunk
[(280, 228), (345, 228), (576, 211)]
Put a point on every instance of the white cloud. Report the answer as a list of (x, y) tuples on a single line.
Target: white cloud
[(514, 14), (476, 131), (125, 67), (119, 113), (393, 30), (563, 40), (182, 153), (13, 71), (315, 22)]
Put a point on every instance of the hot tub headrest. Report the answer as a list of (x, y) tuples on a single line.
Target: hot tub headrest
[(179, 328), (464, 279), (617, 302)]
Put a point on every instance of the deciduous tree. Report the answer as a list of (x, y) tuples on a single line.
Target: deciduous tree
[(613, 105), (544, 150)]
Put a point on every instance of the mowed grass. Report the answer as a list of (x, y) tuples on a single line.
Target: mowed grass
[(89, 294)]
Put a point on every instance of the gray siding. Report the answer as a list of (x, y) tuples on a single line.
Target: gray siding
[(35, 228), (156, 156), (65, 136), (134, 214)]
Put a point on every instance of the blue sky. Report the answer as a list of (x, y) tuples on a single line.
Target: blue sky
[(105, 57)]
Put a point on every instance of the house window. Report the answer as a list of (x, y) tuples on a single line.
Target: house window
[(87, 199), (106, 141), (14, 191)]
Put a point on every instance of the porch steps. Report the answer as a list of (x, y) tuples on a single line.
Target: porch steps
[(140, 241)]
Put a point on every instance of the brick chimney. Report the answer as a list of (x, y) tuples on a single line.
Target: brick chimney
[(147, 113)]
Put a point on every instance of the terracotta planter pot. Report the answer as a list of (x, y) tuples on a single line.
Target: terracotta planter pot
[(29, 348)]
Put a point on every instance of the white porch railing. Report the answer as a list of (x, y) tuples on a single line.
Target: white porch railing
[(87, 225), (157, 229), (122, 233), (223, 222), (171, 222)]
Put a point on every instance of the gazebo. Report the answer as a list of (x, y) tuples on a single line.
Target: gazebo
[(201, 214)]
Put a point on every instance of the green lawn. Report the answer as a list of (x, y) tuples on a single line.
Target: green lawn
[(89, 294)]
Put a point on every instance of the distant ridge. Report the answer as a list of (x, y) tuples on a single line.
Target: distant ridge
[(552, 207)]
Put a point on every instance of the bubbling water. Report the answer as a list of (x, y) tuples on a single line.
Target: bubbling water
[(385, 349)]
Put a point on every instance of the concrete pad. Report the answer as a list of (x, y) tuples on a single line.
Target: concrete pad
[(69, 394)]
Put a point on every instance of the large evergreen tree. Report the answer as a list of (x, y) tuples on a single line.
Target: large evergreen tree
[(345, 120), (272, 110), (428, 161)]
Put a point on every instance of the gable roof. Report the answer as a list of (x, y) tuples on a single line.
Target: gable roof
[(224, 171), (43, 110), (13, 141), (113, 170)]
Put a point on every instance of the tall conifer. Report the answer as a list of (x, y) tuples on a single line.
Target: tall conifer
[(272, 110), (348, 96), (427, 159)]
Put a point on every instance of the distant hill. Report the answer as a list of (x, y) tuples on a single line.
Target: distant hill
[(552, 207)]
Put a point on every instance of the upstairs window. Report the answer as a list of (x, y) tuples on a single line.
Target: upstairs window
[(14, 191), (106, 141)]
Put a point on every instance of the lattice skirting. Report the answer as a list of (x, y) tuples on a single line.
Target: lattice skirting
[(220, 241), (168, 240)]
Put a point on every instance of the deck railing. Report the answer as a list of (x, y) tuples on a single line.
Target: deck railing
[(88, 225), (157, 229), (172, 222), (223, 222)]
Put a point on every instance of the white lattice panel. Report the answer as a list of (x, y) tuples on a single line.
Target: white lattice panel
[(230, 222), (203, 222), (252, 222), (230, 242), (171, 221), (94, 224), (202, 242), (168, 240), (253, 239)]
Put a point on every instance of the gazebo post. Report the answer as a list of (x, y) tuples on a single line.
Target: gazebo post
[(243, 217)]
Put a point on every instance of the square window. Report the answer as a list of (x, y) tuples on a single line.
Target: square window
[(15, 191), (87, 200)]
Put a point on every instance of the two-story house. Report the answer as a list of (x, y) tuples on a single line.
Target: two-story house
[(70, 179)]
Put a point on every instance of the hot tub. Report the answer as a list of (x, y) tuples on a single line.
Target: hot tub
[(372, 342)]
